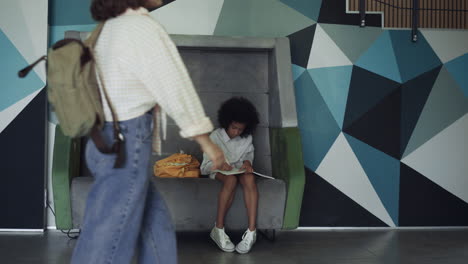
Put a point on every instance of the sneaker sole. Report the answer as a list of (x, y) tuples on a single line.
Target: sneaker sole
[(225, 250), (242, 252)]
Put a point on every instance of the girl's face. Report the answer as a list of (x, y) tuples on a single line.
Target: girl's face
[(235, 129)]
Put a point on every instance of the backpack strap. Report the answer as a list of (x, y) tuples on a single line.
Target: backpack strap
[(118, 147)]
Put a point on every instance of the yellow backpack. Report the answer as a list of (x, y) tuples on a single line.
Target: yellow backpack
[(177, 165)]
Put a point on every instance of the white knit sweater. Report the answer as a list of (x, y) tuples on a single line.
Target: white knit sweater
[(140, 67)]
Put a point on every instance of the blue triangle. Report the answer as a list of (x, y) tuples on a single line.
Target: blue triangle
[(297, 71), (319, 129), (413, 58), (380, 58), (457, 69), (309, 8), (333, 84), (14, 88), (383, 172)]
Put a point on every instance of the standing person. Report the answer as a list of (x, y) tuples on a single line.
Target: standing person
[(140, 67), (238, 119)]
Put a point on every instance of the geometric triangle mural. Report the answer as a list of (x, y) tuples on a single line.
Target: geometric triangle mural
[(194, 14), (380, 126), (350, 178), (422, 202), (325, 52), (235, 21), (382, 118), (366, 90), (414, 94), (301, 44), (352, 40), (14, 88), (333, 84), (320, 127), (447, 44), (308, 8), (413, 58), (380, 58), (383, 172), (443, 159), (445, 105), (457, 68), (325, 205), (296, 71)]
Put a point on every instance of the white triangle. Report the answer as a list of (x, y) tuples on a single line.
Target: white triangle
[(189, 17), (325, 52), (342, 169), (10, 113), (447, 44), (25, 25), (443, 159)]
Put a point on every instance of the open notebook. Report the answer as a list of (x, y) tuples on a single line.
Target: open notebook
[(238, 171)]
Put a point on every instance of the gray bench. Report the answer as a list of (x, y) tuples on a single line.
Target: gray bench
[(221, 67)]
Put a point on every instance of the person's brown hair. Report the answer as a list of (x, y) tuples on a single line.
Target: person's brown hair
[(101, 10)]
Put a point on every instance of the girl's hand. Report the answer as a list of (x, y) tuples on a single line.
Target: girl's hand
[(226, 167), (247, 166)]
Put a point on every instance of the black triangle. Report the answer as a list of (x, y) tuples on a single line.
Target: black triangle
[(23, 167), (414, 94), (366, 89), (301, 44), (325, 205), (380, 127), (334, 12), (424, 203)]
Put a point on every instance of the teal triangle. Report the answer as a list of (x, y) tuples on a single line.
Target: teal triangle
[(297, 71), (383, 172), (352, 40), (445, 105), (457, 69), (380, 59), (319, 129), (259, 18), (333, 84), (413, 58), (309, 8), (14, 88)]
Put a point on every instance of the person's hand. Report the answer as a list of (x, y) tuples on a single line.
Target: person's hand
[(216, 156), (226, 167), (247, 166)]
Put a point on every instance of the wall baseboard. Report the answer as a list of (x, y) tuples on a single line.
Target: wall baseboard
[(381, 228), (22, 230)]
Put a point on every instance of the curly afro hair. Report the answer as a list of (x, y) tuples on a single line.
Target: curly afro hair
[(238, 109)]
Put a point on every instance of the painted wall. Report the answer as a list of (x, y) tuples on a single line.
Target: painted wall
[(383, 120), (23, 39)]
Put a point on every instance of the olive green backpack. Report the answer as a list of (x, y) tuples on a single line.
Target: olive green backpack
[(72, 89)]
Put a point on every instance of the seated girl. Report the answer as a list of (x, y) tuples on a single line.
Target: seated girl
[(238, 119)]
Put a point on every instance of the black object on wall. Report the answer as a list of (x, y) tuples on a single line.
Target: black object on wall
[(22, 159)]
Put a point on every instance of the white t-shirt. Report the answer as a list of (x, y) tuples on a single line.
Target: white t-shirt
[(236, 150)]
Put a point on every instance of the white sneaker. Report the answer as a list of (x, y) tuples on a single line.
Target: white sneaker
[(248, 239), (221, 239)]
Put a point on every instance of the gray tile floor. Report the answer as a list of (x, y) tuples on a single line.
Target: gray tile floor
[(449, 246)]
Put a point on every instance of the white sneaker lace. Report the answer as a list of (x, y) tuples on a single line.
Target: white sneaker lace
[(245, 241)]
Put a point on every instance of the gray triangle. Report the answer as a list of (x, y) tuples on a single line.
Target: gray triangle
[(445, 105), (264, 18), (352, 40)]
